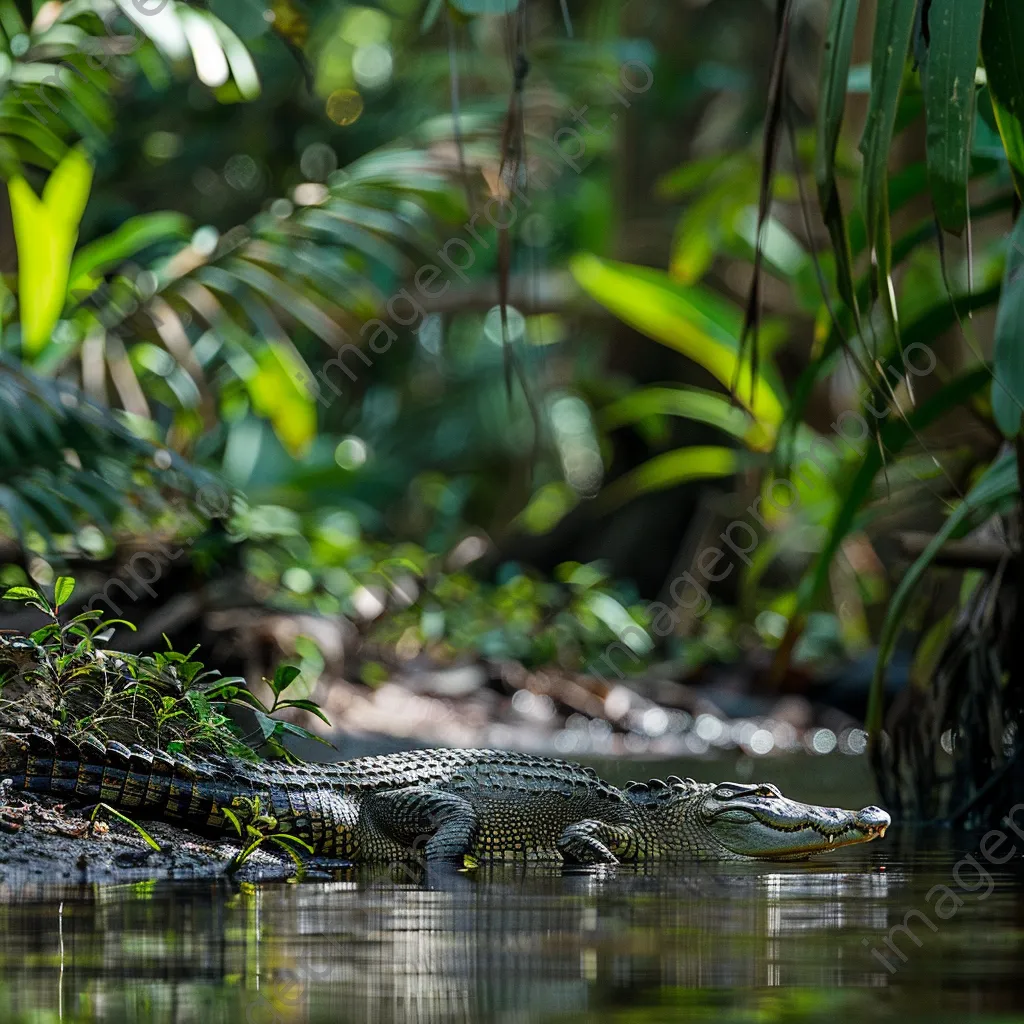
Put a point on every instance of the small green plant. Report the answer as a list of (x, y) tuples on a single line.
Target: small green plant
[(273, 731), (128, 821), (166, 700), (255, 828)]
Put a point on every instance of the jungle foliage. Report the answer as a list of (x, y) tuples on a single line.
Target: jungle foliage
[(218, 214), (63, 677), (918, 273)]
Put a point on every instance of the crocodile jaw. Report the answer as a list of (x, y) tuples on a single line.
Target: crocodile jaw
[(758, 822)]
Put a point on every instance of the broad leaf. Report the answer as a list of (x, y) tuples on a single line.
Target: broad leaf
[(63, 588), (948, 73), (690, 403), (894, 23), (161, 23), (130, 238), (46, 230), (1002, 46), (688, 319), (283, 678), (701, 462), (835, 69), (276, 395)]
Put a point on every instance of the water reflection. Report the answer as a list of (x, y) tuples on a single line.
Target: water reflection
[(720, 942)]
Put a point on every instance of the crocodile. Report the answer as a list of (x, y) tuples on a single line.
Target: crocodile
[(466, 806)]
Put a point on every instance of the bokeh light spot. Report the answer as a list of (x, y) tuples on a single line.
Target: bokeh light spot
[(344, 106), (351, 453), (372, 65), (318, 161), (514, 320)]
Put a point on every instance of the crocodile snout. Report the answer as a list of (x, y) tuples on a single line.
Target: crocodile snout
[(873, 820)]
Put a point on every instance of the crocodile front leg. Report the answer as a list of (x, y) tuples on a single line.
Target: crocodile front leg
[(596, 842), (422, 821)]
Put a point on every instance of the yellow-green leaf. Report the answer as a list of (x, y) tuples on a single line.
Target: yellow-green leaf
[(276, 394), (701, 462), (63, 588), (690, 403), (46, 230), (686, 318)]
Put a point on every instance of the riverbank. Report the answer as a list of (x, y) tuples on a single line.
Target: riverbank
[(53, 844)]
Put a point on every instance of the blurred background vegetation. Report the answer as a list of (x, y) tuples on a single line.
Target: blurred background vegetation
[(693, 258)]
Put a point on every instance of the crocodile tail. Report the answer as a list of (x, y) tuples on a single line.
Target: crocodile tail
[(155, 784)]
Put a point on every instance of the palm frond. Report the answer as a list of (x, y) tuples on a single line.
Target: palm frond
[(65, 461), (64, 67), (189, 307)]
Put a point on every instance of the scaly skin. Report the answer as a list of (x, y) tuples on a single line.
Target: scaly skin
[(484, 805)]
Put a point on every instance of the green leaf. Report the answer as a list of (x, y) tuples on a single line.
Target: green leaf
[(232, 818), (835, 69), (243, 70), (700, 462), (687, 319), (161, 24), (242, 696), (307, 705), (131, 237), (276, 394), (691, 403), (266, 723), (63, 588), (150, 841), (998, 483), (1008, 358), (430, 13), (894, 23), (284, 677), (948, 77), (46, 230), (291, 729), (925, 327), (285, 837), (303, 309), (782, 253), (1011, 133), (1002, 47), (22, 594), (46, 499)]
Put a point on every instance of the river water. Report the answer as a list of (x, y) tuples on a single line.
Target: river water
[(746, 943)]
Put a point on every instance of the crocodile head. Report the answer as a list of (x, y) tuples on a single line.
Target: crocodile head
[(737, 821)]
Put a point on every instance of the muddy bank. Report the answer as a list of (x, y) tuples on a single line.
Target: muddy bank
[(52, 844)]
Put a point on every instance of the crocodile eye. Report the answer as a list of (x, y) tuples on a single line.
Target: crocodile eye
[(725, 791), (767, 789)]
